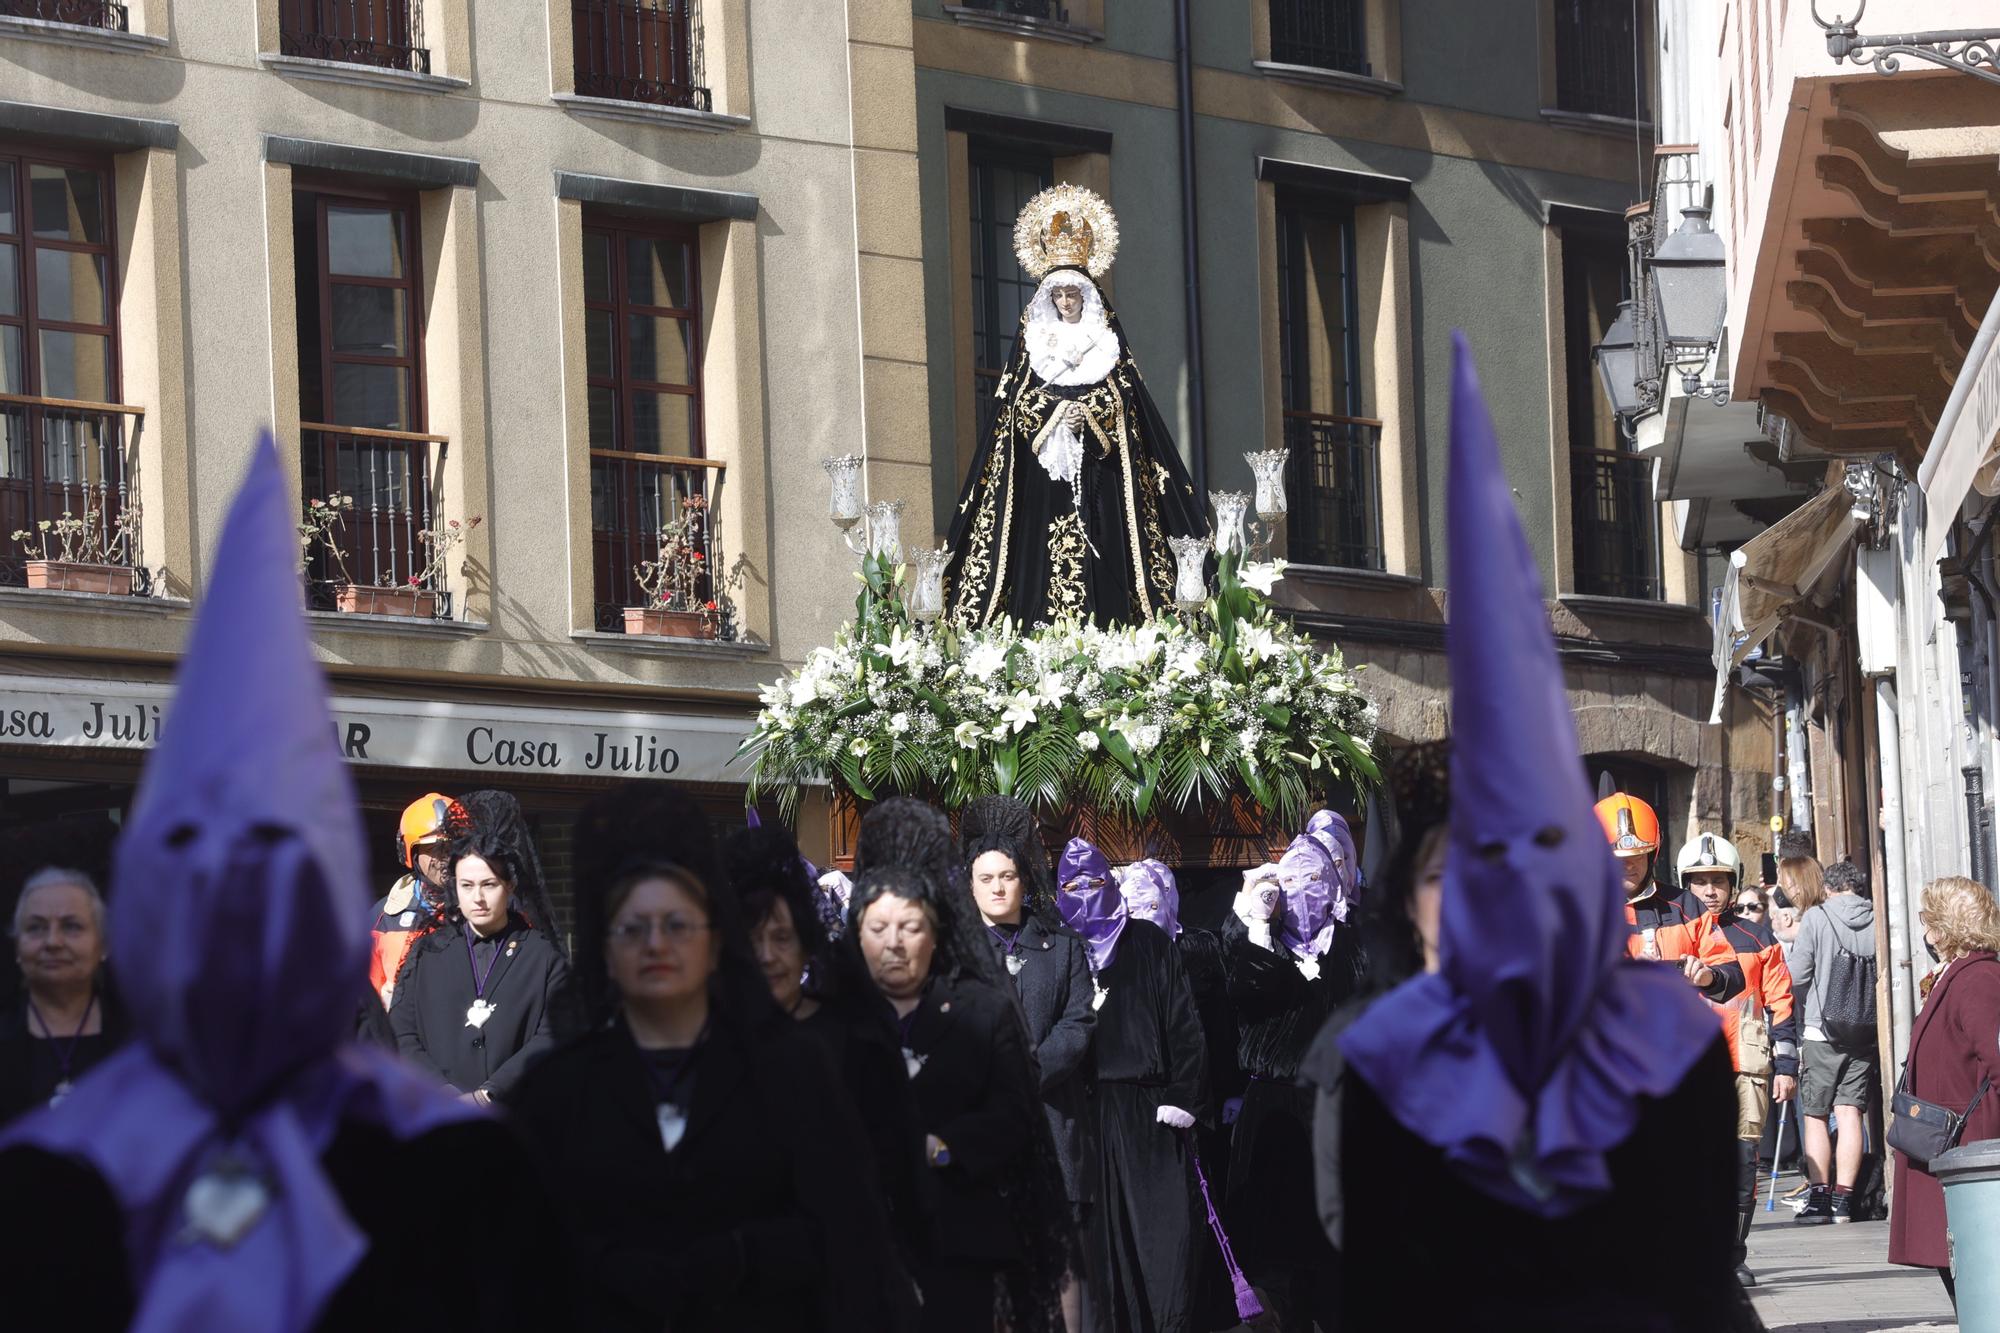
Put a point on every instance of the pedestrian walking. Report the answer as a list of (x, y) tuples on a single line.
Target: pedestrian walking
[(1537, 1134), (1833, 959), (1152, 1089), (1954, 1064), (703, 1152), (68, 1019)]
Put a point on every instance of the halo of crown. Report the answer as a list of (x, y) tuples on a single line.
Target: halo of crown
[(1066, 226)]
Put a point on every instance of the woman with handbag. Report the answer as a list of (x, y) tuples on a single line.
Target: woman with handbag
[(1945, 1097)]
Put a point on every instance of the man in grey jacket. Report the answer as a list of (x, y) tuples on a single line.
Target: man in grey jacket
[(1838, 1066)]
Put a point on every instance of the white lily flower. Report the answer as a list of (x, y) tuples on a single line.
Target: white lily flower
[(1019, 713), (1263, 577), (966, 734), (860, 746), (985, 659)]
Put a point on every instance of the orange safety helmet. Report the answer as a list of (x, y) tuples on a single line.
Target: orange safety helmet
[(1630, 825), (431, 816)]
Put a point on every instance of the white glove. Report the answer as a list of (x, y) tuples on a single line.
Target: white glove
[(1257, 903), (1174, 1118)]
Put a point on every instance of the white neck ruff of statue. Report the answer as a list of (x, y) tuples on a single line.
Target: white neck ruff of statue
[(1068, 354)]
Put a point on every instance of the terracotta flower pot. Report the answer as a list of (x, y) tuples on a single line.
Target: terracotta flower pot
[(73, 576), (667, 624), (416, 603)]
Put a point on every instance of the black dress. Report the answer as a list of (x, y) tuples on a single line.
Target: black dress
[(964, 1045), (1203, 961), (523, 976), (1150, 1054), (862, 1049), (31, 1067), (1425, 1250), (1054, 985), (761, 1217), (69, 1270)]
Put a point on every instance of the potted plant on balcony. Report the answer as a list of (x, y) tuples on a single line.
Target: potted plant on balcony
[(417, 598), (88, 557), (674, 606)]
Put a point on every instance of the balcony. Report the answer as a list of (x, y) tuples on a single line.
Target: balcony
[(79, 13), (1615, 524), (1048, 10), (645, 51), (386, 34), (1332, 476), (73, 465), (633, 496), (1320, 34), (1597, 71), (393, 479)]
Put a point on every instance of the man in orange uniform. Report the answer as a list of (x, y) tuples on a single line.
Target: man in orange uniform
[(415, 903), (1664, 927), (1763, 1041)]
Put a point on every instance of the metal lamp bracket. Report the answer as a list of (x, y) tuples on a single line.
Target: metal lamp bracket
[(1969, 51)]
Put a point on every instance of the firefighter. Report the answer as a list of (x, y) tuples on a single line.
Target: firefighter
[(1662, 926), (415, 903), (1763, 1042)]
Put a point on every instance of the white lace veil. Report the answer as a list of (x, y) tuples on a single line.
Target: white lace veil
[(1043, 307)]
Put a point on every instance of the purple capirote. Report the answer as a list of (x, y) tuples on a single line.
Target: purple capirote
[(243, 1054), (1330, 830), (1151, 893), (1089, 901), (1525, 1056), (1305, 876)]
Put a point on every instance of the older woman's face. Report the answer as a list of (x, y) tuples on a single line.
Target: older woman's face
[(898, 942), (58, 943), (780, 954), (661, 947), (1068, 302)]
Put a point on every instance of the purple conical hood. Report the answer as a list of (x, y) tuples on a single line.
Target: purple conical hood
[(1525, 1056), (1305, 874), (1330, 831), (1151, 893), (1089, 901)]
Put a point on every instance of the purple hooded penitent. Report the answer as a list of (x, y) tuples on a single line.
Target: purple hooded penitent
[(1152, 894), (1525, 1056), (1305, 874), (209, 1129), (1089, 901), (1331, 832)]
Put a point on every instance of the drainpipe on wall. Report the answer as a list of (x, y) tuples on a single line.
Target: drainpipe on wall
[(1889, 755), (1795, 749), (1197, 403)]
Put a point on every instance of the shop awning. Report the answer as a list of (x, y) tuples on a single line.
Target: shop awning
[(1773, 573), (1965, 435)]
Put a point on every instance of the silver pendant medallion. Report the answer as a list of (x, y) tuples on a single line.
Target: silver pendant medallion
[(673, 1124), (1014, 964), (476, 1016), (223, 1204), (62, 1091)]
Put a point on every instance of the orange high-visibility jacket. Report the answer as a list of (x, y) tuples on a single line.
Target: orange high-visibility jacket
[(1767, 991), (401, 918), (1679, 932)]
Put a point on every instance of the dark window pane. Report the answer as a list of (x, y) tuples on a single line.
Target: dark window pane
[(662, 423), (67, 204), (657, 349), (372, 321), (76, 365), (364, 242), (13, 377), (604, 419), (9, 223), (13, 436), (598, 328), (377, 396), (69, 287), (596, 266), (656, 272), (10, 279)]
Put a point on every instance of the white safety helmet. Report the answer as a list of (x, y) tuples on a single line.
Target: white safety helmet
[(1708, 852)]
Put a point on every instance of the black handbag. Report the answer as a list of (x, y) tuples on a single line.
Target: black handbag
[(1924, 1130)]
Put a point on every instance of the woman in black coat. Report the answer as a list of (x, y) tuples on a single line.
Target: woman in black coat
[(475, 1003), (700, 1147), (68, 1019)]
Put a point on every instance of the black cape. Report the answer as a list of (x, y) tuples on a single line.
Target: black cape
[(1021, 547), (1054, 986), (435, 991), (1150, 1053)]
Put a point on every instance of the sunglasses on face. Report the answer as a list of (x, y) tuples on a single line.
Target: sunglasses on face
[(1750, 905)]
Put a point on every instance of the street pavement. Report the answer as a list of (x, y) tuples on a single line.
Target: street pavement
[(1838, 1279)]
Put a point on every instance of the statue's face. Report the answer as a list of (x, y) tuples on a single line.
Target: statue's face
[(1068, 302)]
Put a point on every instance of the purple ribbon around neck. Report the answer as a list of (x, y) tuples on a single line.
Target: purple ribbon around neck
[(1248, 1307), (479, 979), (1008, 943), (64, 1051)]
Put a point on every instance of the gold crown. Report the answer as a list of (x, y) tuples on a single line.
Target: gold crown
[(1066, 226)]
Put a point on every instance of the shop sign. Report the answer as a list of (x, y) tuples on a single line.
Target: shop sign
[(398, 733)]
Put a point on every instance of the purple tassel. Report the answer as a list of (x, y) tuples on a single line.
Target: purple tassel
[(1248, 1307), (750, 817)]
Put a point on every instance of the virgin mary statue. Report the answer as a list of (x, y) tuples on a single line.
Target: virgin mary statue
[(1069, 505)]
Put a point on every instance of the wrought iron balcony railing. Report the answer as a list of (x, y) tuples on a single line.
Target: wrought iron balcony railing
[(1616, 524), (386, 33), (73, 465), (1597, 59), (640, 51), (1335, 494), (82, 13), (1325, 34), (633, 496), (393, 479)]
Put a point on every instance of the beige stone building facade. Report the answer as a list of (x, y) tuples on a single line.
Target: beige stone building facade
[(557, 266)]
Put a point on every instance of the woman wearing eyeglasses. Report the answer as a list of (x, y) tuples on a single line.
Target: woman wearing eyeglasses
[(698, 1142), (65, 1023)]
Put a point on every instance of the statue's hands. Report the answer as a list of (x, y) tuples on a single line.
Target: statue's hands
[(1074, 416)]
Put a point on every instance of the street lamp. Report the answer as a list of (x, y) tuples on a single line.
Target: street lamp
[(1690, 274), (1618, 364)]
